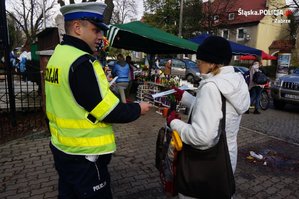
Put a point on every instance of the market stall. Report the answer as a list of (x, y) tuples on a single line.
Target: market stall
[(142, 37), (237, 49)]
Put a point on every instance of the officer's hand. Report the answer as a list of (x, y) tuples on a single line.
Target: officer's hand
[(145, 107)]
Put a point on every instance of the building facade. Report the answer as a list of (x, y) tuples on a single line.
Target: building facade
[(254, 23)]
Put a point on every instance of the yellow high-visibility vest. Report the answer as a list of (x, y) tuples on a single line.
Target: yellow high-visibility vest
[(71, 130)]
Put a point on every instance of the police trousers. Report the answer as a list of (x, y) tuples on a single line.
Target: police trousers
[(80, 178)]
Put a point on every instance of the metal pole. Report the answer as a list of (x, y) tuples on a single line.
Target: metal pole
[(4, 44), (181, 18), (44, 14), (180, 56)]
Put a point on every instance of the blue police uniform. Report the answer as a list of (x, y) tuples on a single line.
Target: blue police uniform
[(82, 176)]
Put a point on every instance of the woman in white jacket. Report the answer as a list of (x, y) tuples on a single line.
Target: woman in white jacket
[(213, 56)]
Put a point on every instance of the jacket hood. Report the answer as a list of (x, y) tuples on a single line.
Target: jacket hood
[(233, 87)]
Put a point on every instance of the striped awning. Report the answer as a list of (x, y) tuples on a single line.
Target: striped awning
[(142, 37)]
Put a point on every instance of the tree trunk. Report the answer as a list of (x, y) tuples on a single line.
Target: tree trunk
[(108, 11)]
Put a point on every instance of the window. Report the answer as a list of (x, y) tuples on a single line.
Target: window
[(216, 18), (225, 34), (231, 16), (240, 34)]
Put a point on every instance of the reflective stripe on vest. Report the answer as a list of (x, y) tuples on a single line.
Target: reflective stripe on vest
[(76, 124), (71, 131), (109, 102), (76, 141)]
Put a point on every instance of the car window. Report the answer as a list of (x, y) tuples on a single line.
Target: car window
[(178, 63), (191, 63)]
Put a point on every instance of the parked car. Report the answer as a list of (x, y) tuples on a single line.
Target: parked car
[(178, 67), (285, 90), (241, 69), (244, 71), (184, 68), (192, 71)]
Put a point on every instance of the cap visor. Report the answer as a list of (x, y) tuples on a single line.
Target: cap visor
[(101, 25)]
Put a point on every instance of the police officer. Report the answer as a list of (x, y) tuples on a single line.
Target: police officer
[(80, 106)]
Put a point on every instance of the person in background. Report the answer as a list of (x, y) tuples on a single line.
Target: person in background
[(24, 57), (167, 70), (218, 77), (13, 58), (80, 107), (131, 74), (22, 64), (254, 89), (157, 63), (122, 70)]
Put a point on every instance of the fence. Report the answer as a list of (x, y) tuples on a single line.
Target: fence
[(28, 112)]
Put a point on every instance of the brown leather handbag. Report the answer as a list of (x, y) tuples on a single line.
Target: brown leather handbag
[(206, 174)]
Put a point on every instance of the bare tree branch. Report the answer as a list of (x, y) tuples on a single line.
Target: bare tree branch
[(214, 9), (294, 4), (108, 11), (278, 4), (124, 10), (28, 16), (32, 15)]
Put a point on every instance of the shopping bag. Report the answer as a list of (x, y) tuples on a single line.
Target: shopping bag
[(160, 153), (207, 173), (259, 78), (167, 146)]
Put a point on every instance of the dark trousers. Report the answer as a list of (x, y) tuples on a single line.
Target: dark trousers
[(255, 95), (79, 178)]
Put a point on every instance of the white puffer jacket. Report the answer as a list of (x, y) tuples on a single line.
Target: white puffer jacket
[(207, 113)]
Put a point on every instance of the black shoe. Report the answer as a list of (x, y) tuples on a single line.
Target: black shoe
[(247, 112), (256, 112)]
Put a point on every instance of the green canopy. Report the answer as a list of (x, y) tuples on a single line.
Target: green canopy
[(141, 37)]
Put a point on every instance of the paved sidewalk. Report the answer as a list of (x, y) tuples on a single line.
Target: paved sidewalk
[(26, 165), (278, 123)]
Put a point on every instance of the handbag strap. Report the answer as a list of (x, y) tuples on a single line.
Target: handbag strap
[(223, 120)]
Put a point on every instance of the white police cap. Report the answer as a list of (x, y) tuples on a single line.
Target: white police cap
[(91, 11)]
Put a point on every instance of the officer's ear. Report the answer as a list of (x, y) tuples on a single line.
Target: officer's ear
[(77, 27)]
